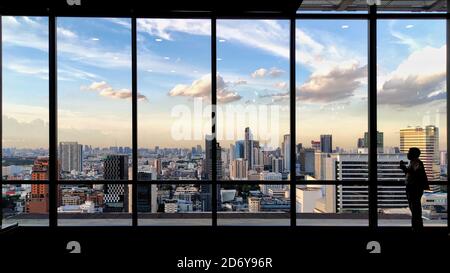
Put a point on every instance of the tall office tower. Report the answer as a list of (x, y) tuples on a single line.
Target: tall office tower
[(208, 160), (116, 197), (380, 141), (315, 145), (285, 152), (326, 143), (239, 149), (37, 199), (238, 169), (353, 167), (324, 166), (248, 147), (115, 167), (71, 156), (427, 140), (277, 165), (306, 160)]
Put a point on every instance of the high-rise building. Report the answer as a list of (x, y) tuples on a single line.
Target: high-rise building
[(427, 140), (208, 159), (285, 152), (306, 160), (115, 167), (315, 145), (71, 156), (380, 141), (277, 165), (360, 143), (326, 143), (238, 169), (116, 196), (239, 149), (37, 199), (353, 167), (248, 147), (39, 170)]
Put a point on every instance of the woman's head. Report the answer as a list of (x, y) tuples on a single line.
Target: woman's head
[(413, 153)]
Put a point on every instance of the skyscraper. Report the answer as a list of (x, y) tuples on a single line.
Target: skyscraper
[(208, 160), (248, 147), (37, 199), (380, 141), (71, 156), (427, 140), (277, 165), (115, 167), (285, 150), (239, 149), (238, 169), (326, 143)]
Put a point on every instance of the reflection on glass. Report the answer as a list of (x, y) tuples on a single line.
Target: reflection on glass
[(25, 95), (94, 99), (27, 205)]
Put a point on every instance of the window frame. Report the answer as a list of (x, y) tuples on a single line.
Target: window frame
[(371, 17)]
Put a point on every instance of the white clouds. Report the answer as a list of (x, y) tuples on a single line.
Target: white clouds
[(104, 89), (163, 27), (263, 73), (281, 85), (202, 88), (409, 26), (66, 33), (340, 83), (419, 79), (345, 26)]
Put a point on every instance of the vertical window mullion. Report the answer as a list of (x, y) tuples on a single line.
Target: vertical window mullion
[(372, 130), (53, 110), (214, 185), (134, 120), (292, 117)]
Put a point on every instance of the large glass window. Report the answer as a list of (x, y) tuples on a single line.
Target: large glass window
[(174, 83), (25, 112), (94, 99), (331, 119), (412, 112), (253, 100)]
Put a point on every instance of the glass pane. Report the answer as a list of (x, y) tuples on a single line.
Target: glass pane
[(174, 204), (174, 80), (94, 205), (253, 100), (94, 98), (26, 205), (412, 112), (331, 109), (332, 205), (253, 205), (25, 95)]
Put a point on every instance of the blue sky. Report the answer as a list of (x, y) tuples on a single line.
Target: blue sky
[(94, 78)]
